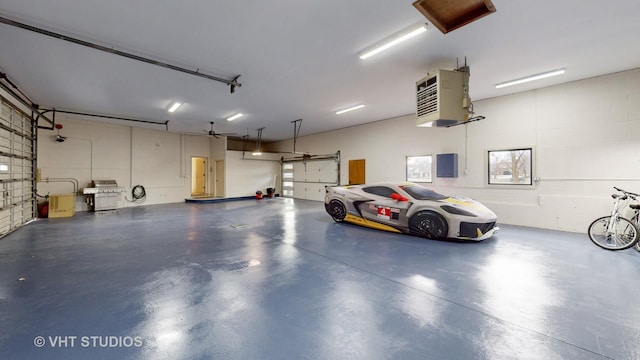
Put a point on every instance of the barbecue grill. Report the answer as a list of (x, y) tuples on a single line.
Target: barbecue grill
[(103, 195)]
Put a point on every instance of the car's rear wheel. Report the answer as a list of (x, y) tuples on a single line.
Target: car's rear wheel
[(337, 210), (429, 224)]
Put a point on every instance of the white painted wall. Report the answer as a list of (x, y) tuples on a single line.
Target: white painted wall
[(584, 134), (158, 160), (218, 151), (253, 173)]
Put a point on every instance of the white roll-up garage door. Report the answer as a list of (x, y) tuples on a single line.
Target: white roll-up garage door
[(17, 167), (306, 177)]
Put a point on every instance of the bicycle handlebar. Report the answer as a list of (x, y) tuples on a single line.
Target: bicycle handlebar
[(632, 195)]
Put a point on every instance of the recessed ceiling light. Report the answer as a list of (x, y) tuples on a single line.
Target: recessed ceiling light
[(530, 78), (174, 106), (393, 40), (349, 109), (236, 116)]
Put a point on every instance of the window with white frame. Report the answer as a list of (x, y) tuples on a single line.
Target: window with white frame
[(510, 167), (420, 168), (287, 180)]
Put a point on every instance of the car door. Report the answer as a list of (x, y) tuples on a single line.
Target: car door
[(383, 209)]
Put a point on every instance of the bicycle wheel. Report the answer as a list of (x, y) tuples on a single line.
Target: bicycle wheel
[(623, 236), (637, 247)]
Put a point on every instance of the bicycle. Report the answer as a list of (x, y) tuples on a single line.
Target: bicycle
[(615, 232), (636, 220)]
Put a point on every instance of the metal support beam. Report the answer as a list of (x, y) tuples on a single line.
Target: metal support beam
[(33, 107), (297, 124), (476, 118), (308, 157), (233, 83), (165, 123), (259, 140), (245, 142)]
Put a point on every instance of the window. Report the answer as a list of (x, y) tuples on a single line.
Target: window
[(510, 167), (379, 190), (419, 192), (287, 180), (419, 168)]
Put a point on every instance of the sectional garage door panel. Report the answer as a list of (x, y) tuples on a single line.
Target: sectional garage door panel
[(324, 171), (17, 167), (306, 179), (299, 172), (311, 191)]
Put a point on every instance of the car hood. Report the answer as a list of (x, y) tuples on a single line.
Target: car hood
[(470, 205)]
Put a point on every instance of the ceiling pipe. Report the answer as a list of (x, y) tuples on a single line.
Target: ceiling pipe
[(233, 83)]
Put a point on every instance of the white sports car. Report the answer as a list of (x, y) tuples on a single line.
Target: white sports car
[(410, 208)]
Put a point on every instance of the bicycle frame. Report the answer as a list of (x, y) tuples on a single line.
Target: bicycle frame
[(619, 230), (636, 220), (615, 211), (634, 217)]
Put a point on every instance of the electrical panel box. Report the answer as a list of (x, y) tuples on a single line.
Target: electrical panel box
[(447, 165), (442, 98), (62, 205)]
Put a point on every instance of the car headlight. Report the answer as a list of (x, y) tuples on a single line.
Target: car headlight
[(457, 211)]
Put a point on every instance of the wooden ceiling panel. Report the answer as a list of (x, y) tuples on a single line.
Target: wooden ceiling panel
[(450, 15)]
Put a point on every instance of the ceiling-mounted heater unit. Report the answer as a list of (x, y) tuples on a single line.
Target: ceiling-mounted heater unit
[(443, 98)]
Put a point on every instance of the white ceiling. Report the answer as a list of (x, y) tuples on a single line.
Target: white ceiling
[(298, 58)]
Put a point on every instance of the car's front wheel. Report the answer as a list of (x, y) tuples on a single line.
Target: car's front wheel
[(429, 224), (337, 210)]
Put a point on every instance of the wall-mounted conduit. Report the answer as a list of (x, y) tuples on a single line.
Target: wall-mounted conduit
[(68, 180)]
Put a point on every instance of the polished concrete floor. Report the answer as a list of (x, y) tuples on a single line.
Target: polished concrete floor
[(278, 279)]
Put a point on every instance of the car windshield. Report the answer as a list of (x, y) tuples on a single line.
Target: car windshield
[(422, 193)]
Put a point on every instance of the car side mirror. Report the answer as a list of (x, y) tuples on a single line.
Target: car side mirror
[(398, 197)]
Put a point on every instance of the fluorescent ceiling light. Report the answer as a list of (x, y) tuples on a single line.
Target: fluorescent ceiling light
[(530, 78), (393, 40), (257, 153), (350, 109), (174, 106), (236, 116)]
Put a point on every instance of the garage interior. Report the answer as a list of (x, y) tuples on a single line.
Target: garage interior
[(156, 244)]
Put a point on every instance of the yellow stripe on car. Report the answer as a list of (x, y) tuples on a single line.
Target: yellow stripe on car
[(364, 222), (466, 203)]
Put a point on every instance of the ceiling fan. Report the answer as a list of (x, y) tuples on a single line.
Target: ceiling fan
[(215, 134)]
